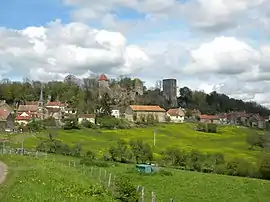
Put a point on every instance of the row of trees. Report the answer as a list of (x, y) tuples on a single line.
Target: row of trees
[(215, 102), (85, 96)]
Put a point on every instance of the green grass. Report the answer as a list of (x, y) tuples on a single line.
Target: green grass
[(30, 179), (199, 187), (52, 180), (230, 140)]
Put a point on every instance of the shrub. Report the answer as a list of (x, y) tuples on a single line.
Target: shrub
[(165, 173), (124, 190), (90, 162), (264, 166)]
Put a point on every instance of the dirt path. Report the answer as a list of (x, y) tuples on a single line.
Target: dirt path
[(3, 172)]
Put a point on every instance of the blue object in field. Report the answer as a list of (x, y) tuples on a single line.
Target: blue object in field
[(144, 168)]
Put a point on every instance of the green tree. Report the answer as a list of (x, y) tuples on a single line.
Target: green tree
[(105, 105)]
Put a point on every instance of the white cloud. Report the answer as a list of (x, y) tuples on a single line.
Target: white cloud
[(57, 49)]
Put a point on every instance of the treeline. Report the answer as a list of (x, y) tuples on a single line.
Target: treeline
[(214, 103), (84, 96)]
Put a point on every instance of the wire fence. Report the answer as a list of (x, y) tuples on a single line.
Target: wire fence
[(98, 174)]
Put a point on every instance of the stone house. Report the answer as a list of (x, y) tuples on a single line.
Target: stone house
[(55, 110), (176, 115), (141, 112), (87, 117), (195, 113), (238, 118), (6, 120), (209, 119)]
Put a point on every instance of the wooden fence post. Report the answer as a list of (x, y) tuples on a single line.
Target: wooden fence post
[(68, 163), (109, 181), (99, 175), (74, 164), (153, 197), (92, 170), (142, 195), (105, 175)]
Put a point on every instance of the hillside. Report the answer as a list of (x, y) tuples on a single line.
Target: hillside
[(31, 179), (230, 140), (53, 180)]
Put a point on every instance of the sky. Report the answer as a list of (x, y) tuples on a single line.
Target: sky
[(208, 45)]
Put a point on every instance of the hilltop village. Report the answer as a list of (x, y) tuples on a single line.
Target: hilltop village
[(126, 98)]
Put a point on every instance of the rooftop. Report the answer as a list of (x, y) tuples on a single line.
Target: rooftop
[(152, 108)]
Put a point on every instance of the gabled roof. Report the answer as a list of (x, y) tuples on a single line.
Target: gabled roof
[(25, 116), (149, 108), (27, 108), (176, 112), (103, 77)]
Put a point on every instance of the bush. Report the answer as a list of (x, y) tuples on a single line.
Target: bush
[(165, 173), (207, 127), (90, 162), (264, 166), (125, 191)]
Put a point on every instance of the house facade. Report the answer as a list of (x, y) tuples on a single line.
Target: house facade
[(176, 115), (116, 113), (141, 112), (6, 120), (87, 117)]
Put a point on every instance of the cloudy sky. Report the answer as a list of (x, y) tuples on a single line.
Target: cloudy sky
[(221, 45)]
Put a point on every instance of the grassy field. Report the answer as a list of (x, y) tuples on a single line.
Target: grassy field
[(52, 180), (31, 179), (230, 140)]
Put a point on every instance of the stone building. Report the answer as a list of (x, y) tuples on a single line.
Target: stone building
[(140, 112), (170, 91)]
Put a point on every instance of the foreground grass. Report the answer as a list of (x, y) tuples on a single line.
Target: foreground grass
[(198, 187), (52, 180), (30, 179)]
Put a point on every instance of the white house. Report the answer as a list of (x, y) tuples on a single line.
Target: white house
[(116, 113), (87, 117), (176, 115)]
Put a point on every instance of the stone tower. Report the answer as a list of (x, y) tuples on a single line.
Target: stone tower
[(169, 91), (138, 87), (103, 81)]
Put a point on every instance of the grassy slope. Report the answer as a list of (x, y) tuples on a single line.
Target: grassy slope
[(198, 187), (230, 140), (36, 180)]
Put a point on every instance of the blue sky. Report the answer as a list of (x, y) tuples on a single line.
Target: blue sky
[(19, 14)]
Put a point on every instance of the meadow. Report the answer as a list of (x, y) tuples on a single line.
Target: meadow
[(40, 180), (32, 179), (230, 140)]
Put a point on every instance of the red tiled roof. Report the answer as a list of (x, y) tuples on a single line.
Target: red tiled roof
[(151, 108), (176, 112), (103, 77), (27, 108), (26, 116), (210, 117), (87, 116)]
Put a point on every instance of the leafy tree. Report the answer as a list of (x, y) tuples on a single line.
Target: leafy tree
[(105, 105)]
